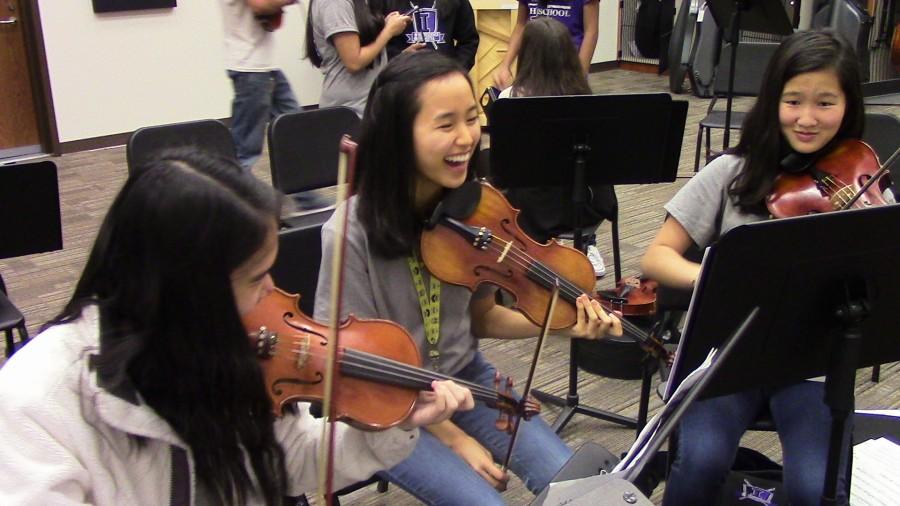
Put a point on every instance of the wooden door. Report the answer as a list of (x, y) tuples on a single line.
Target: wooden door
[(18, 113)]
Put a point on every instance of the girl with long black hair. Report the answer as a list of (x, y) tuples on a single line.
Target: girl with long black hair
[(810, 101), (145, 389), (417, 139)]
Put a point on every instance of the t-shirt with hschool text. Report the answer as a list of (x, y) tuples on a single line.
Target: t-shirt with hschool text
[(567, 12)]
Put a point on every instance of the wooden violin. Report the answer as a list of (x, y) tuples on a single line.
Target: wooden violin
[(378, 374), (270, 22), (841, 179), (632, 296), (473, 238)]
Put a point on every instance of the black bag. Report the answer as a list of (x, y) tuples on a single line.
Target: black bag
[(647, 28)]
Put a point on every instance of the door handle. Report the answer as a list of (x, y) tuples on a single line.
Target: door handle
[(9, 21)]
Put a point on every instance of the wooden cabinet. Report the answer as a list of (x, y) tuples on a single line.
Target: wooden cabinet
[(495, 20)]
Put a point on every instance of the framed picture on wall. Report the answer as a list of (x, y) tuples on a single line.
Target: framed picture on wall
[(131, 5)]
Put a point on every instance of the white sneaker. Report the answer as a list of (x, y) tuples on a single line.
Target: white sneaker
[(593, 255)]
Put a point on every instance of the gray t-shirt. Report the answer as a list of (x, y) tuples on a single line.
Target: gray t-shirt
[(376, 287), (341, 87), (703, 206)]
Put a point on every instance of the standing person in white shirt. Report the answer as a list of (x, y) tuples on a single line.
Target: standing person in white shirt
[(261, 90)]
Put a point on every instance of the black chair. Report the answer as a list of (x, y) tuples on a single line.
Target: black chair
[(752, 60), (29, 205), (882, 132), (296, 270), (303, 148), (208, 134)]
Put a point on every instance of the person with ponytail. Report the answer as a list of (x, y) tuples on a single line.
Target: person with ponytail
[(146, 390)]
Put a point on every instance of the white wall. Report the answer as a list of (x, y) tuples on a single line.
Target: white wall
[(114, 73), (608, 32)]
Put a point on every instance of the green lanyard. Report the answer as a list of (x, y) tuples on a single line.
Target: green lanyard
[(430, 304)]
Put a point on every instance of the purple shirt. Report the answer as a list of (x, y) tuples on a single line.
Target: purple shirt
[(567, 12)]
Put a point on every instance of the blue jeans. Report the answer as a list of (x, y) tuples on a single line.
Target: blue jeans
[(258, 98), (711, 430), (435, 475)]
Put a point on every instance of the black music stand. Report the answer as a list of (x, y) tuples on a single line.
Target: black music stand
[(765, 16), (828, 291), (579, 140)]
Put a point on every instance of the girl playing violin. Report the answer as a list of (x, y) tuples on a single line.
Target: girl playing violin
[(418, 135), (810, 100), (145, 390)]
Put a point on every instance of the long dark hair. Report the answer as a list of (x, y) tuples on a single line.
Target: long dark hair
[(386, 162), (762, 144), (160, 273), (369, 22), (548, 62)]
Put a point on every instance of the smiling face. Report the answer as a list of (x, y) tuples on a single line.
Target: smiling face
[(445, 134), (251, 281), (811, 110)]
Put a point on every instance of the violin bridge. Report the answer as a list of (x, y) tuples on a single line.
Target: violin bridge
[(302, 352)]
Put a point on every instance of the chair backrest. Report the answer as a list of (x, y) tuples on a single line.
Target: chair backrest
[(882, 132), (296, 269), (303, 147), (29, 209), (752, 59), (208, 134)]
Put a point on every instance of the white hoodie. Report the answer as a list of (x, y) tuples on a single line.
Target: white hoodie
[(64, 440)]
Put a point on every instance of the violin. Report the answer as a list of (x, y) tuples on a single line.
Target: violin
[(632, 296), (473, 237), (270, 22), (378, 374), (841, 179)]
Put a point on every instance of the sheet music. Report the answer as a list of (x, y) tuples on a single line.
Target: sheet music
[(875, 479), (637, 451), (688, 321), (882, 412)]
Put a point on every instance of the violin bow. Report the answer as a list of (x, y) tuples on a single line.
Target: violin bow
[(346, 167), (886, 167), (539, 346)]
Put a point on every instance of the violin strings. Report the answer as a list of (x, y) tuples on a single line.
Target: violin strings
[(545, 275), (385, 367), (392, 369)]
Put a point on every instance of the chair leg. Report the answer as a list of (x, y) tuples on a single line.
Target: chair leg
[(708, 145), (876, 373), (382, 486), (617, 262), (697, 151), (9, 343)]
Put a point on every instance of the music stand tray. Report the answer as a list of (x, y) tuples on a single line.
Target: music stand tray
[(828, 291)]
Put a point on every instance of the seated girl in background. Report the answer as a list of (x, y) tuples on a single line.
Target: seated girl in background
[(145, 389), (809, 102), (417, 139), (346, 39), (580, 17), (548, 66)]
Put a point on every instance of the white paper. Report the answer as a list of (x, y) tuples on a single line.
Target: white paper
[(875, 480)]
